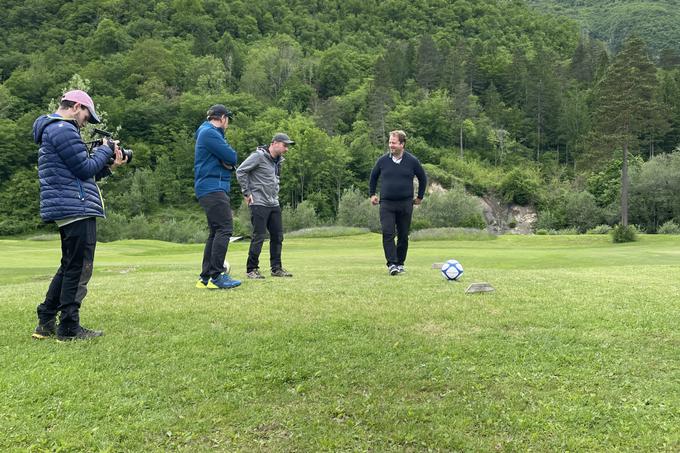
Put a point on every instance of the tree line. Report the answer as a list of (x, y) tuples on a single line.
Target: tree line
[(497, 99)]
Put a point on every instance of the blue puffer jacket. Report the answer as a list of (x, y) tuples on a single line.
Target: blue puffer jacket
[(66, 171), (211, 152)]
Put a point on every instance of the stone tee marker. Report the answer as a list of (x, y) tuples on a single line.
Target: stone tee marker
[(482, 287)]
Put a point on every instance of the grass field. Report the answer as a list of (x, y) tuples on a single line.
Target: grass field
[(578, 349)]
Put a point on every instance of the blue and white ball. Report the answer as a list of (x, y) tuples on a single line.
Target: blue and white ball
[(452, 270)]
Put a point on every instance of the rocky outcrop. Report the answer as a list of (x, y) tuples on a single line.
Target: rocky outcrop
[(510, 218)]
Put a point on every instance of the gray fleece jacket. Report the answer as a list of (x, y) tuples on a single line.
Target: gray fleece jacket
[(258, 176)]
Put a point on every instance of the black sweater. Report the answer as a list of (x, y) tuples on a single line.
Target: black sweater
[(397, 179)]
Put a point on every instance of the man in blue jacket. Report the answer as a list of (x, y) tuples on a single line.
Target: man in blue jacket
[(396, 171), (69, 196), (214, 161)]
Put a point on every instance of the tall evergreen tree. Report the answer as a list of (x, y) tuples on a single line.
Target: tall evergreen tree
[(625, 104)]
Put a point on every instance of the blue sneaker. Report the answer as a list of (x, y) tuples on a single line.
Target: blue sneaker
[(223, 281)]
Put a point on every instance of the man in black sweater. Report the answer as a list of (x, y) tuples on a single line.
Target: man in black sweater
[(396, 170)]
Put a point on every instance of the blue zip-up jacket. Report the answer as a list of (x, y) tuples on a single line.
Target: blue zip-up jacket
[(66, 171), (211, 152)]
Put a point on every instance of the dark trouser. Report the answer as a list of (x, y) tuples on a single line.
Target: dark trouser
[(69, 285), (265, 219), (218, 212), (395, 215)]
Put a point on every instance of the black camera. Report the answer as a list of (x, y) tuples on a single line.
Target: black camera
[(127, 153)]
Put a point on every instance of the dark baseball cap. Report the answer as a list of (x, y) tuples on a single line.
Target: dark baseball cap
[(220, 110), (283, 138)]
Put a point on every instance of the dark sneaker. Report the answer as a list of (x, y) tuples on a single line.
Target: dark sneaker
[(393, 269), (401, 269), (45, 330), (281, 272), (81, 334), (223, 281), (255, 274), (201, 284)]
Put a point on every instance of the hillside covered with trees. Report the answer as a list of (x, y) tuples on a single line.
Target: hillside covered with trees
[(611, 21), (499, 100)]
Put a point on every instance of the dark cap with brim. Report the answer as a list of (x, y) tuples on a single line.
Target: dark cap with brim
[(220, 110), (283, 138)]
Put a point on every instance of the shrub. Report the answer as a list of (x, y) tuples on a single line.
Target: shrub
[(454, 208), (242, 219), (600, 229), (327, 232), (303, 216), (582, 211), (460, 234), (186, 231), (439, 176), (355, 209), (548, 220), (669, 227), (521, 186), (565, 231), (542, 232), (478, 179), (622, 233)]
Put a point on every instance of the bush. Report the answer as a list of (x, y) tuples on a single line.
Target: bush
[(439, 176), (669, 227), (355, 209), (521, 186), (478, 179), (622, 233), (565, 231), (303, 216), (600, 229), (548, 220), (459, 234), (327, 232), (188, 229), (185, 231), (454, 208), (582, 211)]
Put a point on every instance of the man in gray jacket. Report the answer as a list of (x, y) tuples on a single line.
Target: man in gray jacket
[(258, 176)]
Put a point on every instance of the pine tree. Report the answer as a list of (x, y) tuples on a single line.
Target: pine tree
[(625, 104)]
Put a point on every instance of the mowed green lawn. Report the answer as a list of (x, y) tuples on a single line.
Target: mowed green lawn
[(577, 349)]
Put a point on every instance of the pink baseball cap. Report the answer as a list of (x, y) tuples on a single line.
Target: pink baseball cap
[(82, 98)]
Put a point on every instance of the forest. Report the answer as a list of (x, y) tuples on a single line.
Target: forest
[(501, 99)]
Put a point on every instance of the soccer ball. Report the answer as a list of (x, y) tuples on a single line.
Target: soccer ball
[(227, 267), (452, 270)]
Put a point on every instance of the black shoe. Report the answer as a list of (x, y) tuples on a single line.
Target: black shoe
[(393, 269), (281, 272), (45, 330), (81, 334)]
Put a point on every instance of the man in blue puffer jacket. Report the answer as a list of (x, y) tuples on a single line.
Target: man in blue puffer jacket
[(69, 196), (214, 161)]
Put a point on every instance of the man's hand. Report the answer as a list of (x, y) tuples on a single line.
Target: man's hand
[(417, 200), (248, 199), (117, 154), (374, 200)]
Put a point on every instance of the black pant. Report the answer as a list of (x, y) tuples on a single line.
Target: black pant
[(218, 212), (265, 219), (69, 285), (395, 215)]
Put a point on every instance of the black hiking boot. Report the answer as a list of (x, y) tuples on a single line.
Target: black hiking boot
[(81, 333), (45, 330)]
